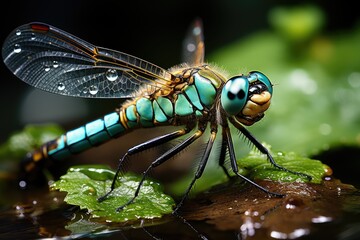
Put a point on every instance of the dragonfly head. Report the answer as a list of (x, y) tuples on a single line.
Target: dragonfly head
[(247, 97)]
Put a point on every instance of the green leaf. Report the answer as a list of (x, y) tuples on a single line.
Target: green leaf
[(85, 184), (256, 166)]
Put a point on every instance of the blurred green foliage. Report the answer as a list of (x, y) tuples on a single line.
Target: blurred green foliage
[(316, 79), (297, 24), (25, 140)]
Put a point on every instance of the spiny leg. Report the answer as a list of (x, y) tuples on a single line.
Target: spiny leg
[(223, 155), (163, 158), (199, 170), (235, 167), (141, 147), (264, 150)]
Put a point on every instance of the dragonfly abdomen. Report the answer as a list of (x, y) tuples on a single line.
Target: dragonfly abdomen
[(77, 140), (86, 136)]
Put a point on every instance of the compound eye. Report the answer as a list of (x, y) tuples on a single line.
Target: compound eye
[(258, 76), (234, 95)]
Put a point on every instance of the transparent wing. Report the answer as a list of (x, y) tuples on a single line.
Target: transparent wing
[(58, 62), (193, 46)]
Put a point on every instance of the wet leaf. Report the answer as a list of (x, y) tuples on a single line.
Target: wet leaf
[(83, 227), (85, 184), (256, 166)]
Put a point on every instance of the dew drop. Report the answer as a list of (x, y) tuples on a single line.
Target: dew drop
[(93, 89), (17, 48), (111, 75), (18, 32), (32, 36), (61, 86), (85, 90), (55, 64), (47, 68)]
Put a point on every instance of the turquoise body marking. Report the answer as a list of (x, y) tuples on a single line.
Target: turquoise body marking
[(131, 116), (94, 127), (166, 106), (76, 135), (130, 113), (207, 91), (96, 132), (193, 95), (144, 109), (182, 106), (112, 124), (159, 114), (111, 119), (76, 140)]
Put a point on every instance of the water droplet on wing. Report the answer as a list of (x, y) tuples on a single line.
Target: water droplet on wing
[(93, 89), (55, 64), (17, 48), (111, 75), (61, 86)]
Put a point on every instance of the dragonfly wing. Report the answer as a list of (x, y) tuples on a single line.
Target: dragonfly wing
[(58, 62), (193, 46)]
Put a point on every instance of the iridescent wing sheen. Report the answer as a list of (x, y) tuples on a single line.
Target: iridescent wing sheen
[(58, 62), (193, 46)]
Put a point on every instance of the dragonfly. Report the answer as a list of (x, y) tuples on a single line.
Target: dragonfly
[(195, 95)]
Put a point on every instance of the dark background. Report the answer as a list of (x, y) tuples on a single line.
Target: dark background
[(152, 30)]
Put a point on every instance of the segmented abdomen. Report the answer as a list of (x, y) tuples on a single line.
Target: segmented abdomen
[(140, 112)]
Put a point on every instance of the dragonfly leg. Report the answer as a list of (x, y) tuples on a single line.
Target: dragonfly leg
[(141, 147), (199, 170), (264, 150), (223, 156), (235, 167), (163, 158)]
